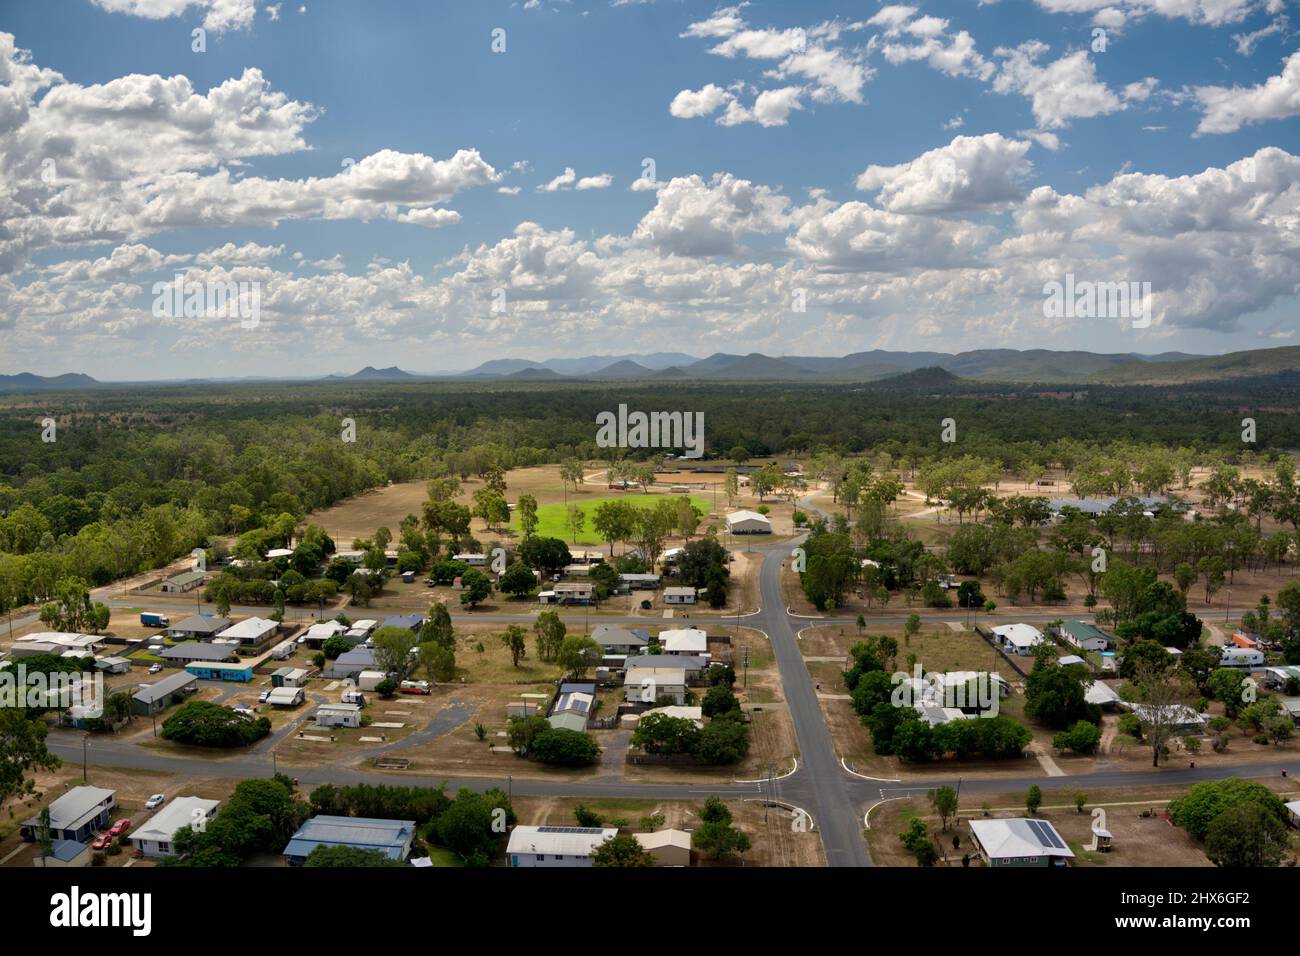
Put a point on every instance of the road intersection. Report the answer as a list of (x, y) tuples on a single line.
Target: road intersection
[(835, 798)]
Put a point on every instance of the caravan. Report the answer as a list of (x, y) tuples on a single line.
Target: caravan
[(1241, 657)]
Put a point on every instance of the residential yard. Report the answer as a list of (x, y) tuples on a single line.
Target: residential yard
[(1146, 841), (936, 648), (774, 840), (772, 742), (309, 745), (133, 788)]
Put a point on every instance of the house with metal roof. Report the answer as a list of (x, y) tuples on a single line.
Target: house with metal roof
[(392, 838), (192, 651), (1020, 842), (321, 632), (214, 670), (412, 622), (693, 665), (289, 677), (198, 627), (650, 685), (616, 639), (350, 664), (83, 644), (684, 640), (184, 582), (65, 853), (338, 715), (1103, 695), (679, 595), (1084, 636), (568, 720), (576, 701), (1019, 639), (639, 582), (155, 837), (556, 846), (1276, 678), (76, 815), (251, 632), (162, 693)]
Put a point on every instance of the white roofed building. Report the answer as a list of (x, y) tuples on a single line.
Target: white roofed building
[(1021, 842), (250, 631), (556, 846), (156, 835), (748, 522), (1020, 639), (684, 640)]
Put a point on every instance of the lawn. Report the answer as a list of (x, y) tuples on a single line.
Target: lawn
[(441, 856), (550, 518)]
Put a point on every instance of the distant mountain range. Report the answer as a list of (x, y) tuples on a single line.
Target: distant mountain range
[(1034, 366), (27, 382), (1041, 366)]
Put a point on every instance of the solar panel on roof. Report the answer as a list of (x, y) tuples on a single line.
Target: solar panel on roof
[(1046, 835)]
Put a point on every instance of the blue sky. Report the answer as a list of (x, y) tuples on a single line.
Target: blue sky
[(913, 173)]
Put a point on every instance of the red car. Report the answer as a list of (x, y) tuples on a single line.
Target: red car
[(102, 842), (118, 828)]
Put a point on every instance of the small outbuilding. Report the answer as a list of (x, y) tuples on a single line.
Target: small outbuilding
[(668, 847)]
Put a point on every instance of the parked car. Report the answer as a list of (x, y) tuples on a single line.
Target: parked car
[(263, 697), (119, 827), (415, 687), (102, 842), (155, 669), (155, 801)]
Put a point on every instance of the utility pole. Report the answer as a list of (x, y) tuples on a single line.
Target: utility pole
[(746, 649)]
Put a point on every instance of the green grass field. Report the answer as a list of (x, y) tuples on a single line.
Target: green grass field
[(550, 518)]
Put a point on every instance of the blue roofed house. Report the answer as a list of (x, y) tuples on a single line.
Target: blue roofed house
[(392, 838), (66, 853), (412, 622)]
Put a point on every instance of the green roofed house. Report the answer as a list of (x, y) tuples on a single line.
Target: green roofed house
[(568, 720), (1084, 636), (185, 582)]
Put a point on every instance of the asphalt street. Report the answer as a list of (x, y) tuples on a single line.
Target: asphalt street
[(835, 799)]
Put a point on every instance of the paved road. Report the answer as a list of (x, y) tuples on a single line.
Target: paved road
[(835, 799)]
